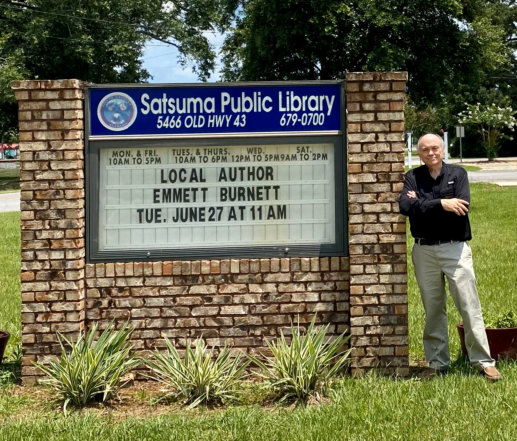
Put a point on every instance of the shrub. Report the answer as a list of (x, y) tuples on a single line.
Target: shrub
[(491, 121), (503, 320), (201, 376), (91, 370), (306, 365)]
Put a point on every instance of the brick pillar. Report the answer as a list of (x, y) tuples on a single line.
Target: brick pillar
[(52, 215), (377, 232)]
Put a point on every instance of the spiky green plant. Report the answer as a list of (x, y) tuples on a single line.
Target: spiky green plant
[(201, 376), (305, 366), (91, 370)]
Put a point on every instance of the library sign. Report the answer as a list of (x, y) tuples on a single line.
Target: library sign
[(203, 171)]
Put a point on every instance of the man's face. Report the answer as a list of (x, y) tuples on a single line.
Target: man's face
[(430, 150)]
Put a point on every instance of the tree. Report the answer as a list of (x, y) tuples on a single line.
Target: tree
[(99, 41), (491, 120), (10, 70), (450, 48), (102, 40), (425, 119)]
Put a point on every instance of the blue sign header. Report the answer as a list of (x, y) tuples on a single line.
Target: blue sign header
[(224, 110)]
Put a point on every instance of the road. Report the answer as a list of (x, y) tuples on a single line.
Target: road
[(9, 202), (500, 177), (501, 171)]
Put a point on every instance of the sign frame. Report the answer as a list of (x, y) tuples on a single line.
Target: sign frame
[(260, 86), (95, 144)]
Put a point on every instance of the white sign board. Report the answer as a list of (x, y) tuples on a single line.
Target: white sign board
[(183, 197)]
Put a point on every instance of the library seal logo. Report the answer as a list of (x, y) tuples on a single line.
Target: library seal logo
[(117, 111)]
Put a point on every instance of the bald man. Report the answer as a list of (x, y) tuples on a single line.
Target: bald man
[(436, 197)]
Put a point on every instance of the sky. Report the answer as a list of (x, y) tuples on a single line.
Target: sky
[(161, 61)]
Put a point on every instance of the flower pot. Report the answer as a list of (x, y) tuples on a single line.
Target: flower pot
[(4, 337), (502, 342)]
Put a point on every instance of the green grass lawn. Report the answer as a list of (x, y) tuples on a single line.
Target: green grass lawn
[(455, 407), (10, 301), (9, 180), (458, 406)]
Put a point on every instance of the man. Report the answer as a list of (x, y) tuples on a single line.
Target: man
[(436, 198)]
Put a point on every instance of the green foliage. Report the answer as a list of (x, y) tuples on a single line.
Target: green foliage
[(490, 37), (201, 376), (91, 370), (490, 120), (305, 365), (100, 41), (11, 69), (425, 119), (502, 320), (447, 46)]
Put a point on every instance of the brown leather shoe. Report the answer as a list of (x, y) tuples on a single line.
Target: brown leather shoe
[(492, 374)]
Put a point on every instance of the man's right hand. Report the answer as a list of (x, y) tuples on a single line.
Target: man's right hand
[(456, 206)]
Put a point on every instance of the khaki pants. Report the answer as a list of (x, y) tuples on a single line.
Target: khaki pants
[(454, 261)]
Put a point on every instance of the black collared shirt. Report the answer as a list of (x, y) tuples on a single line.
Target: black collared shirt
[(427, 218)]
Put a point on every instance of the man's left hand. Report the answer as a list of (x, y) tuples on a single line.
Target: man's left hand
[(456, 206)]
